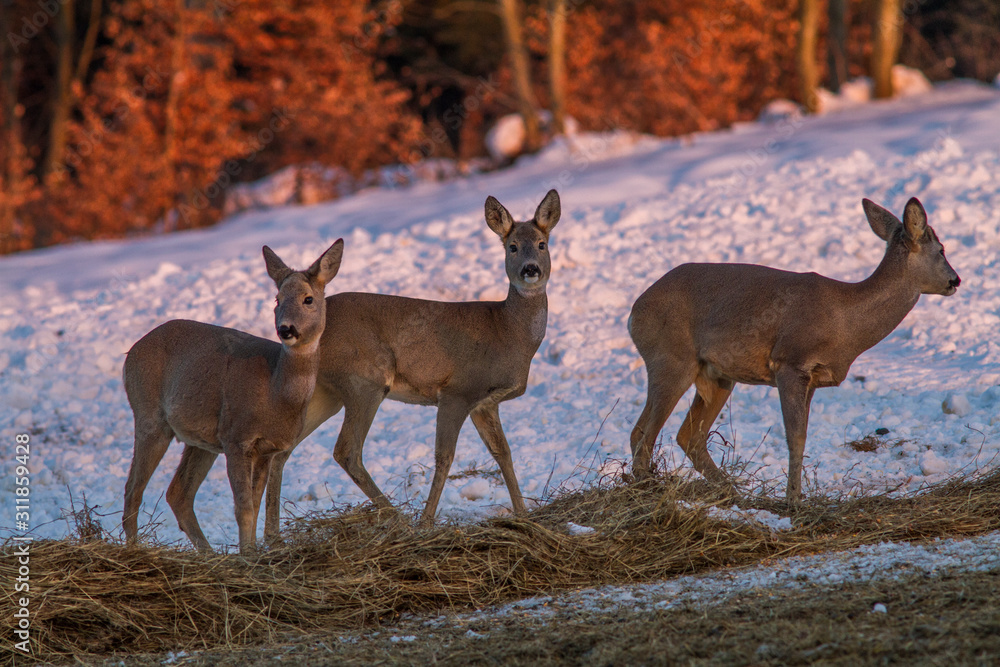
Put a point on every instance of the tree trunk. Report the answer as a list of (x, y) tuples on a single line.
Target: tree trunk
[(511, 12), (170, 152), (806, 52), (888, 21), (557, 64), (10, 140), (59, 124), (837, 43), (89, 41)]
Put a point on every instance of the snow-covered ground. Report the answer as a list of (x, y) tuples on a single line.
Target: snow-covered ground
[(786, 193)]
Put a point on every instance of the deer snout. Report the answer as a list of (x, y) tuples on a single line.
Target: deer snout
[(287, 332), (955, 282), (531, 273)]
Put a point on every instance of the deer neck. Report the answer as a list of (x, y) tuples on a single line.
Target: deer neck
[(883, 300), (294, 377), (528, 312)]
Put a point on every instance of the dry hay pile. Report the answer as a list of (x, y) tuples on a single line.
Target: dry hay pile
[(339, 571)]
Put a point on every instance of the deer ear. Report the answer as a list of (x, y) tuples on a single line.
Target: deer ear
[(327, 266), (498, 218), (275, 267), (882, 222), (914, 219), (548, 212)]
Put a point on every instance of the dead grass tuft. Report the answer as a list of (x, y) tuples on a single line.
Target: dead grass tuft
[(874, 442), (362, 567)]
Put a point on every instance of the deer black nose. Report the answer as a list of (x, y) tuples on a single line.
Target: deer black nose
[(955, 282), (286, 332), (531, 271)]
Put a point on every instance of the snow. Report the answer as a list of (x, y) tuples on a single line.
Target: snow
[(784, 192), (753, 517), (506, 138), (957, 404), (906, 82), (577, 529)]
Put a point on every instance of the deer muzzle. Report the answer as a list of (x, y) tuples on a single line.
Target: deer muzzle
[(286, 332), (530, 273)]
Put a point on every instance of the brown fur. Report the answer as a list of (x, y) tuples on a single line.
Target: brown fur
[(465, 358), (222, 391), (718, 324)]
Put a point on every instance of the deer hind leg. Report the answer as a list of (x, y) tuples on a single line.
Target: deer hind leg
[(450, 416), (191, 472), (486, 419), (151, 442), (668, 380), (796, 397), (359, 413), (321, 407), (708, 402)]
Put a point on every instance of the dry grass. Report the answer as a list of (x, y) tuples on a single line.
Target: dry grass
[(951, 619), (362, 568), (874, 442)]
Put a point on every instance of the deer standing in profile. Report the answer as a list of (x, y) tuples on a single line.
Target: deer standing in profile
[(465, 358), (223, 391), (718, 324)]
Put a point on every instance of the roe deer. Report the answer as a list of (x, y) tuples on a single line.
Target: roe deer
[(717, 324), (465, 358), (222, 391)]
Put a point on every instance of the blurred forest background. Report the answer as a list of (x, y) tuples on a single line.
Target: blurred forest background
[(120, 117)]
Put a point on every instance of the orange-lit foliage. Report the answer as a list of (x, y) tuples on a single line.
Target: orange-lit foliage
[(313, 62), (187, 101), (152, 126), (675, 66), (184, 98)]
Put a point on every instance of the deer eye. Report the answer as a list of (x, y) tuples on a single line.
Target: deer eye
[(513, 247), (541, 245), (308, 300)]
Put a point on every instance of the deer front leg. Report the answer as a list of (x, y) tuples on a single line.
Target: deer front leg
[(450, 416), (796, 397), (247, 475), (272, 506), (486, 419), (321, 407)]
